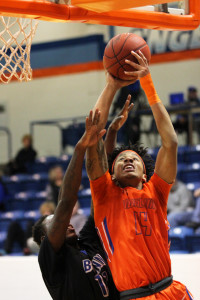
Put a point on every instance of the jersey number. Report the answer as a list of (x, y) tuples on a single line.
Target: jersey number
[(102, 284), (142, 225)]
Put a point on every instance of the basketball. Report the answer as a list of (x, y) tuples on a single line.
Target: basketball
[(118, 49)]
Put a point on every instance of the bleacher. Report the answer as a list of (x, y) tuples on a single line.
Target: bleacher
[(27, 192)]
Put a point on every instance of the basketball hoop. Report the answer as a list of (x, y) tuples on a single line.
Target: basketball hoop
[(16, 36), (16, 45)]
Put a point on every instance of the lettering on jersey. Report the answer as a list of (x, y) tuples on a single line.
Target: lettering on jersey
[(96, 265), (87, 265), (148, 203), (98, 262)]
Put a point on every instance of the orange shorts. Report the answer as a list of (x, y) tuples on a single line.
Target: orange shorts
[(176, 291)]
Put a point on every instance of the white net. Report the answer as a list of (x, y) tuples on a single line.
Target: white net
[(16, 36)]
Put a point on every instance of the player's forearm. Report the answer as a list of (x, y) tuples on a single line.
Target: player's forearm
[(96, 161), (164, 125), (110, 140), (73, 176), (161, 116), (67, 199), (104, 103)]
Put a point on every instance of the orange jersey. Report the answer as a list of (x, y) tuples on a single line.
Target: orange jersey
[(132, 225)]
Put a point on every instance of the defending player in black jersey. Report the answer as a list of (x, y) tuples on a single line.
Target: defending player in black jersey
[(73, 269)]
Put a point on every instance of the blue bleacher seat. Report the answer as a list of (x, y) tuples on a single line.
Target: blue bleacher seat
[(64, 161), (193, 243), (84, 192), (43, 164), (3, 235), (37, 200), (178, 237), (191, 173), (177, 245), (4, 224), (27, 200), (72, 134), (32, 214), (192, 155), (8, 217), (15, 184), (16, 250), (85, 201), (85, 182), (153, 152), (37, 182), (12, 215)]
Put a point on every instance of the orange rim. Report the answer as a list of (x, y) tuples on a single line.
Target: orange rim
[(49, 11)]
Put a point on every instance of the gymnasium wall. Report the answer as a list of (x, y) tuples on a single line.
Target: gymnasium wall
[(74, 94)]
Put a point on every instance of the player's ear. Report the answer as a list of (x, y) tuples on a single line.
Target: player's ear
[(42, 238), (113, 177), (144, 178)]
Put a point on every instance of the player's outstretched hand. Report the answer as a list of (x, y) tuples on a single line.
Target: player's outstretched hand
[(142, 68), (122, 116), (92, 134)]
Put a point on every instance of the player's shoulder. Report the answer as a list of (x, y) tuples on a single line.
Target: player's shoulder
[(155, 178)]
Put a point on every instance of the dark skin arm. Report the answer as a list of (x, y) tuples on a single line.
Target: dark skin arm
[(56, 232)]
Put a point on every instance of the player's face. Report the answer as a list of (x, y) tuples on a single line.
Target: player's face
[(128, 169)]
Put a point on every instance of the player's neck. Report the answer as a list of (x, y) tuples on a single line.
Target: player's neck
[(131, 183)]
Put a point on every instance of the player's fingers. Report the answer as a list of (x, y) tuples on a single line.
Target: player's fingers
[(90, 117), (144, 57), (125, 107), (98, 116), (128, 100), (101, 133), (132, 64), (130, 107), (139, 58), (86, 122), (129, 97), (133, 74), (118, 119), (95, 119)]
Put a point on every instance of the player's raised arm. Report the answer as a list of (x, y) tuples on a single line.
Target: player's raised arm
[(106, 97), (116, 124), (166, 162), (56, 231), (96, 159)]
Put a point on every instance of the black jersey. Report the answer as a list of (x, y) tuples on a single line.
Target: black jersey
[(77, 274)]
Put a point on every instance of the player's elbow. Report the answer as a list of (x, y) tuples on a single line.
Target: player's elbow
[(172, 142)]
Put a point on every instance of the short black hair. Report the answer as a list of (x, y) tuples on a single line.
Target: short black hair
[(38, 230), (140, 150)]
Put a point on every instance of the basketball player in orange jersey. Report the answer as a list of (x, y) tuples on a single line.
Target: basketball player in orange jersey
[(130, 201)]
